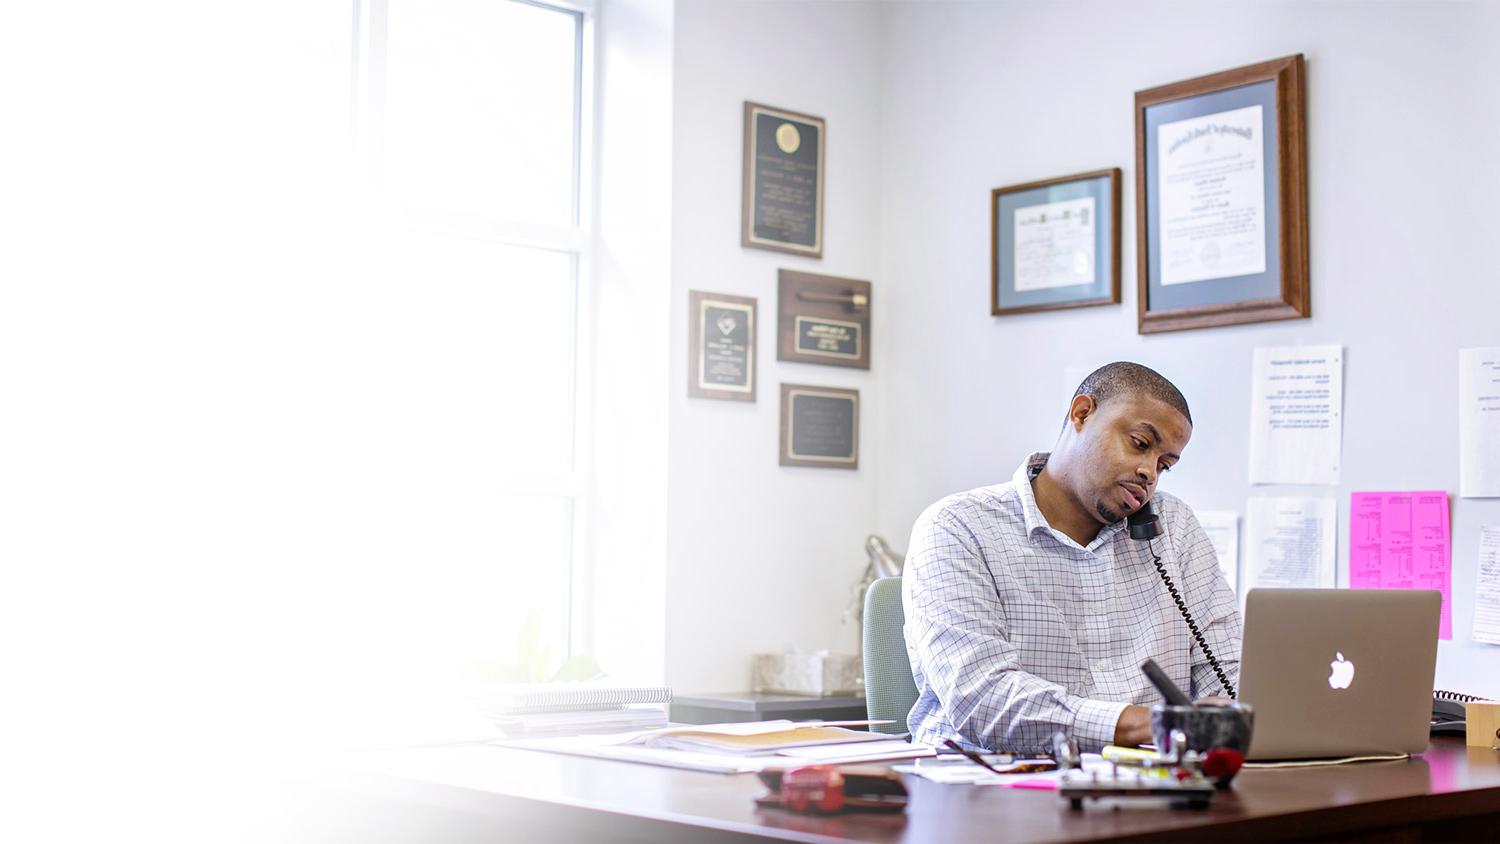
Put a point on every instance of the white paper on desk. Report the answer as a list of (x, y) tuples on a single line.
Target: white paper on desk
[(1223, 529), (870, 751), (1479, 423), (590, 746), (1290, 542), (958, 773), (1487, 588), (1296, 415)]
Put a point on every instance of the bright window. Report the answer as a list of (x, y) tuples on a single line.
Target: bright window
[(470, 121)]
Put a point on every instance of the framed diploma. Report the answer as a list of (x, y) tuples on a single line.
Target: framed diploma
[(823, 319), (819, 427), (722, 346), (1055, 243), (1221, 195), (783, 196)]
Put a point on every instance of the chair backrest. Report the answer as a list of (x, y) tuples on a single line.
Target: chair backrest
[(890, 691)]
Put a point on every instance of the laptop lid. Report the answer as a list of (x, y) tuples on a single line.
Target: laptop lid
[(1339, 672)]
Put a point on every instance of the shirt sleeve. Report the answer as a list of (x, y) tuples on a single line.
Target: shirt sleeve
[(1214, 607), (962, 652)]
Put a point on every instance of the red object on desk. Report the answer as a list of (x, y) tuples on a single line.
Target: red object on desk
[(815, 788)]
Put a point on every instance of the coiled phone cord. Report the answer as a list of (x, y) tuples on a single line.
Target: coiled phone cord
[(1188, 617)]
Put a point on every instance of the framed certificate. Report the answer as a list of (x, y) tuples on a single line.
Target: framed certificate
[(819, 427), (1055, 243), (721, 346), (783, 196), (1221, 195)]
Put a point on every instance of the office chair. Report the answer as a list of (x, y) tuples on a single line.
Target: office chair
[(890, 691)]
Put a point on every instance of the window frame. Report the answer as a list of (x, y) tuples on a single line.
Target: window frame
[(367, 97)]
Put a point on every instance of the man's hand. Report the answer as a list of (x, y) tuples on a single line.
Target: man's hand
[(1134, 726)]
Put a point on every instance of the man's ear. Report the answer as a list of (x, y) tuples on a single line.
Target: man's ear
[(1080, 410)]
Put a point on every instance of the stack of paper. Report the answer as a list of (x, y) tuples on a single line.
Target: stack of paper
[(568, 709), (760, 741), (580, 722), (736, 748)]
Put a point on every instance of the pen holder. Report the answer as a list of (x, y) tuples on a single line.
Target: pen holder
[(1220, 732)]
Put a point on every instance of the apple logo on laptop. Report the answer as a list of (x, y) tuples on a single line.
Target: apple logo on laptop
[(1343, 673)]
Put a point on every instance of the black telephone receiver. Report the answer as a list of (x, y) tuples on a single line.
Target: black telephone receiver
[(1145, 526)]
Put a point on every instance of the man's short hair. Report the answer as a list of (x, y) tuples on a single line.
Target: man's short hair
[(1126, 378)]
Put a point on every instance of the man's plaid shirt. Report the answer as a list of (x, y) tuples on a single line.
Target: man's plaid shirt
[(1016, 632)]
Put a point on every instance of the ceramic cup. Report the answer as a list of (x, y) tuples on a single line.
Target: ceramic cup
[(1221, 731)]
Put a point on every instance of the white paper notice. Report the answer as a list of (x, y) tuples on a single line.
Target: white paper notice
[(1223, 529), (1296, 415), (1487, 588), (1055, 244), (1290, 542), (1211, 181), (1479, 423)]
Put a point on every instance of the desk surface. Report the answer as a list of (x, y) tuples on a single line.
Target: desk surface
[(506, 789)]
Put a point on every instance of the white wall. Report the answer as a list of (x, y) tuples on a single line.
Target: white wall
[(626, 343), (758, 555), (1403, 122)]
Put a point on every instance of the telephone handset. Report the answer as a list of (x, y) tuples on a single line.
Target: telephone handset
[(1145, 526), (1448, 714)]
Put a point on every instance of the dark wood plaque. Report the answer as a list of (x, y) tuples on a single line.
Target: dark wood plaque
[(819, 427), (721, 351), (783, 193), (823, 319)]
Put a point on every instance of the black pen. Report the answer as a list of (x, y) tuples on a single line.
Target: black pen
[(1017, 766)]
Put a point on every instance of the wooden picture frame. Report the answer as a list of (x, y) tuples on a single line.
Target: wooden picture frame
[(782, 207), (822, 319), (1222, 220), (1055, 243), (721, 346), (819, 427)]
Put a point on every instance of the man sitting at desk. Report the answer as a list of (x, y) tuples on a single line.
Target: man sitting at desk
[(1029, 609)]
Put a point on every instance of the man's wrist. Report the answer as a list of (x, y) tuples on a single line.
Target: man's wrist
[(1133, 726), (1094, 723)]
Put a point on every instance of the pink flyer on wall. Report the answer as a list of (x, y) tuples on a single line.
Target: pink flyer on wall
[(1400, 540)]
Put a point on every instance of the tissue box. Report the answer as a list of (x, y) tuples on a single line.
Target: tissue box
[(819, 673)]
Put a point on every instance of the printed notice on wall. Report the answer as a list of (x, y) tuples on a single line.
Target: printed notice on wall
[(1296, 415), (1223, 529), (1479, 423), (1290, 542), (1400, 540), (1487, 588)]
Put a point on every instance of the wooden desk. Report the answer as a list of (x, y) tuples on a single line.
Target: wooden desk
[(482, 793)]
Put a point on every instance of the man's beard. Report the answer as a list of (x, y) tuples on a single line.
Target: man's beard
[(1109, 516)]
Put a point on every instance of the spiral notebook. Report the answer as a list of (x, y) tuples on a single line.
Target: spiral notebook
[(529, 698)]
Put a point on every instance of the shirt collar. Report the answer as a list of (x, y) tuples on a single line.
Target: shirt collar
[(1025, 473), (1035, 521)]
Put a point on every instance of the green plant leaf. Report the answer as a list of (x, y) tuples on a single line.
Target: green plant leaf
[(578, 667)]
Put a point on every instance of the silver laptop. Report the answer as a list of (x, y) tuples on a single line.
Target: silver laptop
[(1339, 672)]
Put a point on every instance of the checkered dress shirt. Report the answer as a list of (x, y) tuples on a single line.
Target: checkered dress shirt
[(1015, 631)]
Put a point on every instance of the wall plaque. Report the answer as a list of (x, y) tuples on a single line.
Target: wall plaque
[(819, 426), (823, 319), (721, 350), (783, 193)]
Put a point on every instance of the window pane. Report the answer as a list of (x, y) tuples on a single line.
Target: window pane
[(503, 595), (492, 328), (480, 108)]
